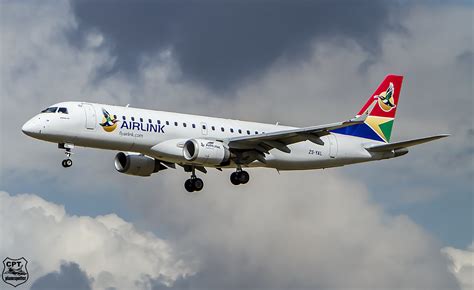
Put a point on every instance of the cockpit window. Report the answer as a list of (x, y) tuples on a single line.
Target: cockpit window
[(50, 110), (62, 110)]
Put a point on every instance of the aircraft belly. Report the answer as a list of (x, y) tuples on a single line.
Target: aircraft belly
[(307, 155), (303, 155), (100, 144)]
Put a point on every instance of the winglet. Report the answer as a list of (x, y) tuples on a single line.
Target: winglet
[(358, 119), (361, 118)]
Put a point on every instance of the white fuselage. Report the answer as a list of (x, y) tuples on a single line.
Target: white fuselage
[(153, 132)]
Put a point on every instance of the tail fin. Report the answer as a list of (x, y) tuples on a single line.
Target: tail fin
[(382, 106)]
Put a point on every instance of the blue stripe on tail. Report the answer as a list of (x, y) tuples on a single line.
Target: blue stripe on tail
[(359, 130)]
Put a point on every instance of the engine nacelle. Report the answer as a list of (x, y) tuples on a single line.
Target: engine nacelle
[(206, 152), (136, 164)]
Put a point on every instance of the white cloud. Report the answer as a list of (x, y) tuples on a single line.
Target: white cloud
[(462, 265), (113, 252)]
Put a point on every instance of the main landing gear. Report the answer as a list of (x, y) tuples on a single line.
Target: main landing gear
[(68, 161), (194, 183), (239, 177)]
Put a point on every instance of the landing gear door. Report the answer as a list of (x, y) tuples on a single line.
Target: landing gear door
[(332, 146), (91, 118)]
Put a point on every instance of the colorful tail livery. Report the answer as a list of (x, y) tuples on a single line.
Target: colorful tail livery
[(382, 106)]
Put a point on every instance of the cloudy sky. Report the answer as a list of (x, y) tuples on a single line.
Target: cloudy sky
[(402, 223)]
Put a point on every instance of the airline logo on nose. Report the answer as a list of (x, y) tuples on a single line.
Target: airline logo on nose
[(109, 122), (385, 99)]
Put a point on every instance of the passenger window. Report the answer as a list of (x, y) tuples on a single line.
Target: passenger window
[(194, 125), (213, 128), (50, 110), (167, 123), (158, 122), (184, 125), (204, 127), (133, 118), (256, 132), (115, 116), (176, 123), (231, 130), (141, 120), (222, 129), (248, 132), (62, 110), (124, 118), (240, 131), (149, 121)]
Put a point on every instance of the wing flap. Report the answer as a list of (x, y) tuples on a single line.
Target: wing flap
[(403, 144), (277, 145)]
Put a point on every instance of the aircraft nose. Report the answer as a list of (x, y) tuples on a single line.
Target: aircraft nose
[(30, 128)]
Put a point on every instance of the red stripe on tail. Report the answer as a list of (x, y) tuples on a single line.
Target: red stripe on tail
[(386, 97)]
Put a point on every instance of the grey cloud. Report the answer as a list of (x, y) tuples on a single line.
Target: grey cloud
[(70, 276), (466, 61), (220, 43)]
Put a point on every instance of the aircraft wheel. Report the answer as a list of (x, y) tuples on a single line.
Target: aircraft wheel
[(244, 177), (198, 184), (188, 184), (67, 163), (234, 178)]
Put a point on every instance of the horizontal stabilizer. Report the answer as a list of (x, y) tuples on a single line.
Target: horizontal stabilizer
[(403, 144)]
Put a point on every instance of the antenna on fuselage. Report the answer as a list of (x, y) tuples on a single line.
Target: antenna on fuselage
[(128, 105)]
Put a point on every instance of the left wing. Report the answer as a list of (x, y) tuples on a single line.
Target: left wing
[(262, 143)]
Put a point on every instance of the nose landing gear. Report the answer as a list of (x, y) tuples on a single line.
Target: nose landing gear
[(68, 161), (239, 177)]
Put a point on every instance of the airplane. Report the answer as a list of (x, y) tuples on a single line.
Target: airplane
[(151, 141)]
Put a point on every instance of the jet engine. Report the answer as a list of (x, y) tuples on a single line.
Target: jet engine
[(206, 152), (137, 164)]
